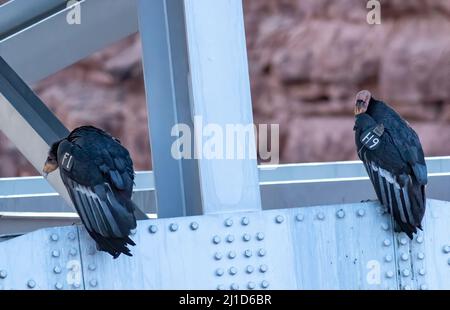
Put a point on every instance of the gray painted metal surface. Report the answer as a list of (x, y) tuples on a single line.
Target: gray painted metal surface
[(349, 246), (16, 15), (46, 259), (103, 22), (198, 68), (28, 123), (166, 72)]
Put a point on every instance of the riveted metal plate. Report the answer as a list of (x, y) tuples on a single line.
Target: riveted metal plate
[(431, 259), (45, 259), (242, 251), (343, 247), (335, 247)]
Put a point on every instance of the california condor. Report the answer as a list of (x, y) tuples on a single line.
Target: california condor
[(98, 174), (393, 157)]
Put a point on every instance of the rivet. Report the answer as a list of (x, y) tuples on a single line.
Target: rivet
[(249, 269), (233, 271), (423, 287), (261, 252), (419, 239), (219, 272), (55, 253), (91, 250), (340, 214), (299, 217), (234, 287), (361, 212), (220, 287), (173, 227), (407, 288), (403, 241), (388, 258), (194, 226), (153, 229), (387, 242), (446, 249), (421, 256), (31, 284), (260, 236), (448, 261), (92, 267), (57, 270), (76, 285), (389, 274), (248, 253), (245, 221), (73, 252), (232, 255), (279, 219), (71, 236), (263, 268), (54, 237), (216, 240), (3, 274), (264, 284), (246, 238), (230, 238), (251, 285), (58, 286), (422, 272), (404, 257), (406, 272), (228, 222), (218, 256), (93, 283), (385, 226), (321, 216)]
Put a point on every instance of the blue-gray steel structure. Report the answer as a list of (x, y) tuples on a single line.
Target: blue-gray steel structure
[(348, 246)]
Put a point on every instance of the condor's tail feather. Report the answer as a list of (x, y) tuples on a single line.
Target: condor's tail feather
[(403, 196)]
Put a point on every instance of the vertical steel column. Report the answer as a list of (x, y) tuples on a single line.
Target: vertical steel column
[(195, 64)]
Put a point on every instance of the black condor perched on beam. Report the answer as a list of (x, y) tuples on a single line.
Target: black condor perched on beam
[(392, 154), (98, 174)]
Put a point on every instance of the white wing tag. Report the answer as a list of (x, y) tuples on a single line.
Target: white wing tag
[(372, 137), (67, 162)]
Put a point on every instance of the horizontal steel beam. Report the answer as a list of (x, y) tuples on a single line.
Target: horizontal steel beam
[(16, 15), (283, 187), (332, 170), (51, 44)]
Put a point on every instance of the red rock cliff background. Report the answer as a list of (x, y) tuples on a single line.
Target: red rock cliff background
[(307, 58)]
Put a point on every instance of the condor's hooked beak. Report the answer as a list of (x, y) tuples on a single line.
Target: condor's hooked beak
[(49, 167)]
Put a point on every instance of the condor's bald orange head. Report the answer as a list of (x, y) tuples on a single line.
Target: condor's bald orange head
[(362, 101)]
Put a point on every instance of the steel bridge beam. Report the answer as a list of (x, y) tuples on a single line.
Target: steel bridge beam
[(345, 246), (37, 41), (195, 64), (28, 123)]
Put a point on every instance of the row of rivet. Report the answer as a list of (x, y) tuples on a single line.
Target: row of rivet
[(249, 270), (57, 253), (230, 238), (321, 216), (54, 237), (173, 227), (250, 285), (247, 253)]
